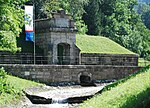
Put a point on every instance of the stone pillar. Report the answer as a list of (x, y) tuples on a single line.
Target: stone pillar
[(50, 56), (54, 57)]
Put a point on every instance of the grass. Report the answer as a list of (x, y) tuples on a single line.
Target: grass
[(143, 62), (17, 85), (99, 44), (20, 83), (131, 92)]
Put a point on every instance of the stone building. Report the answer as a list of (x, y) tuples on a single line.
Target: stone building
[(57, 36), (57, 39)]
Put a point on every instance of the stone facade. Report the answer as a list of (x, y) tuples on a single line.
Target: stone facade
[(69, 73), (109, 59), (57, 36)]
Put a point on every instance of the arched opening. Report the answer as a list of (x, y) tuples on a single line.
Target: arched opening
[(63, 53), (84, 79)]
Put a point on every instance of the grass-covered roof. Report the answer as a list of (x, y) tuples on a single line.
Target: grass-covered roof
[(99, 44)]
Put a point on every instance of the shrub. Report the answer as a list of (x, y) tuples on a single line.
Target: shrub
[(2, 80), (5, 87)]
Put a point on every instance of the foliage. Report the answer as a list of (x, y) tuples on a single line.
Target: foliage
[(5, 87), (49, 6), (11, 21), (81, 27), (11, 87), (2, 81), (93, 17), (118, 20), (89, 44), (76, 9), (131, 92), (73, 7), (144, 10)]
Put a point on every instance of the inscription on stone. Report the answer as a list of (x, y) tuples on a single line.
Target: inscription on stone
[(62, 22)]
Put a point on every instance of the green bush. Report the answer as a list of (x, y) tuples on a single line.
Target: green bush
[(2, 80), (11, 88), (5, 87)]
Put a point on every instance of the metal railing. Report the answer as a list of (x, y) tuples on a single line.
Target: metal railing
[(22, 59), (68, 60)]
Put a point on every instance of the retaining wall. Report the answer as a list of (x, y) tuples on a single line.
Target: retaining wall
[(69, 73), (109, 59)]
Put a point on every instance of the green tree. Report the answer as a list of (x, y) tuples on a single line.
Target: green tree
[(124, 26), (93, 17), (76, 9), (118, 20), (144, 10), (49, 6), (73, 7), (11, 21)]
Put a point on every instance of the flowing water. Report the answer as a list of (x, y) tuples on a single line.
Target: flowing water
[(62, 97)]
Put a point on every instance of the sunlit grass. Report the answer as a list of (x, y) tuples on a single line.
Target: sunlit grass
[(143, 62), (131, 93), (20, 83), (17, 85), (99, 44)]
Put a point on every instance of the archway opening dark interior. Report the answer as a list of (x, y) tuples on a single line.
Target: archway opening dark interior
[(63, 53), (85, 79)]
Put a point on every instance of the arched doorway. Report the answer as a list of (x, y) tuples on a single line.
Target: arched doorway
[(63, 53)]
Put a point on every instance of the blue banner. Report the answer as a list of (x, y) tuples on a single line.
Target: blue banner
[(30, 36)]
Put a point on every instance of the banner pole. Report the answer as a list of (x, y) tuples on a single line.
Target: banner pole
[(34, 31)]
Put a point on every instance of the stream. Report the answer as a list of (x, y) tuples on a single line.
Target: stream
[(59, 97)]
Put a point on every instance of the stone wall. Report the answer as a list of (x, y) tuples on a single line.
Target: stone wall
[(20, 58), (71, 73), (109, 59)]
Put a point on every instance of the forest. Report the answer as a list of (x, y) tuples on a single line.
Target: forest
[(126, 22)]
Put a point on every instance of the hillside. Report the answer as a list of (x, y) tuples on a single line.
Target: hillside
[(131, 92), (99, 44), (11, 88)]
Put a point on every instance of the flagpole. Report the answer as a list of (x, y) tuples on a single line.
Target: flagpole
[(34, 31)]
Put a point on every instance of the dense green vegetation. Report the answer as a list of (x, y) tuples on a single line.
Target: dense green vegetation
[(11, 21), (118, 20), (99, 44), (144, 10), (131, 92), (11, 88), (73, 7)]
